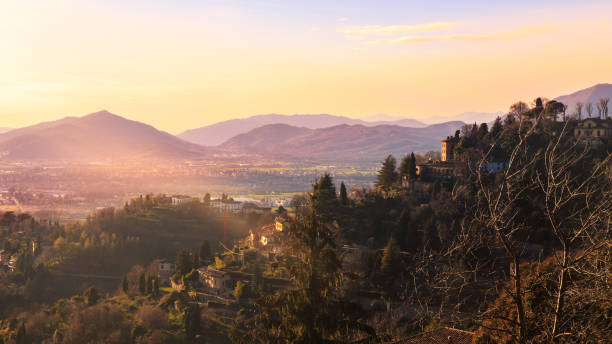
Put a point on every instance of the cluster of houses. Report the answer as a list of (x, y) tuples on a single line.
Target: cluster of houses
[(8, 261)]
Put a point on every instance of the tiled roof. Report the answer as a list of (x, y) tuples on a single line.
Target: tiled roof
[(443, 335)]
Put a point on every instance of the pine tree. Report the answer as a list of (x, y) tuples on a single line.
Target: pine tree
[(496, 129), (387, 175), (124, 284), (205, 252), (21, 337), (156, 287), (391, 259), (92, 296), (192, 320), (142, 283), (184, 262), (407, 234), (343, 195), (149, 285), (314, 305), (207, 200), (324, 198)]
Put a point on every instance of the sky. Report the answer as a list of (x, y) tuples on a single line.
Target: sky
[(183, 64)]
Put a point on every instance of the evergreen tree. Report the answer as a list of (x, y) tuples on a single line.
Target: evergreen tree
[(184, 262), (387, 175), (391, 259), (343, 195), (21, 337), (313, 311), (412, 170), (207, 200), (407, 234), (142, 283), (497, 128), (156, 287), (324, 198), (92, 296), (149, 285), (124, 284), (205, 252), (196, 261), (192, 320)]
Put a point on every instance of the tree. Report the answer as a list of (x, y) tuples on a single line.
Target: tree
[(142, 283), (387, 176), (207, 200), (589, 109), (184, 262), (240, 291), (518, 109), (156, 287), (192, 320), (603, 105), (407, 234), (124, 284), (324, 199), (553, 109), (21, 336), (579, 106), (496, 128), (205, 252), (343, 195), (391, 259), (92, 296), (313, 310), (149, 285)]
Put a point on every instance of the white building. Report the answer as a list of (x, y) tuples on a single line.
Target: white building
[(181, 200)]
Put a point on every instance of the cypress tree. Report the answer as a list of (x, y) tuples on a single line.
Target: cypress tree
[(191, 320), (124, 284), (142, 283), (343, 195), (156, 287), (205, 252), (149, 285), (412, 170)]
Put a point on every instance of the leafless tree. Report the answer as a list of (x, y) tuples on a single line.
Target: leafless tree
[(589, 109), (576, 206), (603, 105), (579, 106), (500, 211)]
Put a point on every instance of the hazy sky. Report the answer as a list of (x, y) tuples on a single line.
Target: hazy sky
[(179, 64)]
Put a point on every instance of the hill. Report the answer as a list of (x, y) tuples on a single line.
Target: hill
[(218, 133), (97, 136), (4, 130), (340, 143), (587, 95)]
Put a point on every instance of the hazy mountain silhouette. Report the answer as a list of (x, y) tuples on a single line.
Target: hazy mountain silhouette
[(587, 95), (97, 136), (218, 133), (341, 143)]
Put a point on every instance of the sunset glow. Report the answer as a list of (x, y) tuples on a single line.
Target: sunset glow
[(184, 64)]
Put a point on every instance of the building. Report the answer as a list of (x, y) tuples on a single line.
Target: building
[(226, 206), (214, 279), (179, 200), (593, 131), (165, 269), (448, 146), (281, 224), (440, 170), (443, 335), (4, 257)]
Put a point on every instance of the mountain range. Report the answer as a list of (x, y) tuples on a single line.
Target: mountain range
[(587, 95), (105, 136), (216, 134), (97, 136), (342, 142)]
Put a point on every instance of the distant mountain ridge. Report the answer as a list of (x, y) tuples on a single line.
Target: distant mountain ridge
[(587, 95), (97, 136), (218, 133), (341, 143)]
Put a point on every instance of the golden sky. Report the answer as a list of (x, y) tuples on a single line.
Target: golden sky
[(184, 64)]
